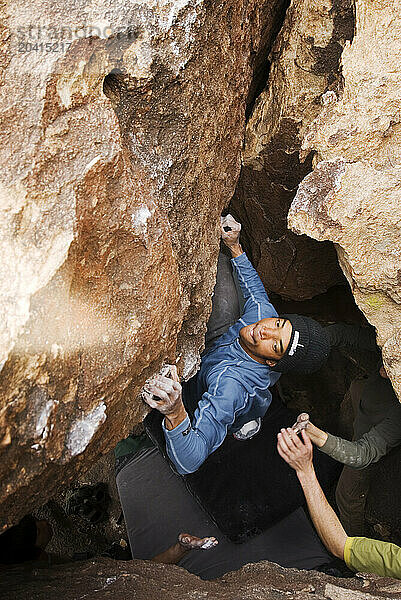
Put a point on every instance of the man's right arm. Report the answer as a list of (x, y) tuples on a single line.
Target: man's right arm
[(360, 554), (251, 285), (366, 555)]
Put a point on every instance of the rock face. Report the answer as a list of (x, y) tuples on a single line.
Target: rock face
[(304, 65), (121, 129), (144, 580), (353, 195)]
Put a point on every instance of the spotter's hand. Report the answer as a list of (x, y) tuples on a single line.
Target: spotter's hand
[(164, 393), (230, 231), (297, 453)]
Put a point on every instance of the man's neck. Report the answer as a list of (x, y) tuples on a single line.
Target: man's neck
[(253, 356)]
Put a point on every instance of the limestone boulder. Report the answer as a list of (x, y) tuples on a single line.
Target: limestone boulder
[(352, 197), (304, 63), (121, 130)]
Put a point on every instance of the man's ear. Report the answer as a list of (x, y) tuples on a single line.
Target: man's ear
[(271, 362)]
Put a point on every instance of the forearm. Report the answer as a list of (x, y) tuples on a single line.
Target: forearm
[(317, 436), (325, 520), (357, 454), (249, 280), (186, 449), (236, 250), (176, 417)]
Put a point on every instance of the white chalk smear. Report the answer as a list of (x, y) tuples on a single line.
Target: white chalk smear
[(140, 218), (329, 97), (40, 428), (191, 364), (56, 350), (210, 543), (92, 162), (84, 429)]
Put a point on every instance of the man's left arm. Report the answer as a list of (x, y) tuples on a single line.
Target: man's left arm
[(183, 446), (165, 394), (252, 288), (189, 444)]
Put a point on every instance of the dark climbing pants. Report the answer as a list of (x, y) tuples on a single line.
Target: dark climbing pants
[(353, 485), (227, 302)]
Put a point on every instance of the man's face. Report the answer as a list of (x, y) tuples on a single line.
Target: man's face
[(267, 340)]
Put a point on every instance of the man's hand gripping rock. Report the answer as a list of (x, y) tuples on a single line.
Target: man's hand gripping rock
[(164, 393), (230, 232)]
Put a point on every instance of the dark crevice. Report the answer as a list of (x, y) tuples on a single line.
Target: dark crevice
[(113, 84), (328, 59), (259, 59), (263, 197)]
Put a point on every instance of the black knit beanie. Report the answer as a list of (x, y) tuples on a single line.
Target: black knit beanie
[(308, 348)]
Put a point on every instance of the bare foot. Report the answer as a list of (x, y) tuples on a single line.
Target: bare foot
[(302, 422), (190, 542)]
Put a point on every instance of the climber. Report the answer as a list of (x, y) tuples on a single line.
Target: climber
[(377, 429), (231, 391), (359, 553)]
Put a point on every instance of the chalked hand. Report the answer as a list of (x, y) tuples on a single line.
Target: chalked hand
[(163, 391), (302, 423), (230, 230)]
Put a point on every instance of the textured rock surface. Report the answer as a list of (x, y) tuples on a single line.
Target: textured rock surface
[(109, 213), (304, 64), (353, 195), (147, 581)]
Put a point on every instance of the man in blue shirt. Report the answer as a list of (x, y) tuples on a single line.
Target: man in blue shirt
[(237, 370)]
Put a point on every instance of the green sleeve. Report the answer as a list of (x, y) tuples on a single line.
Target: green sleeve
[(373, 556), (370, 447), (353, 336)]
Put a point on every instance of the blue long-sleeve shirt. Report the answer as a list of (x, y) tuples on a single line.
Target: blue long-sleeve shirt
[(233, 387)]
